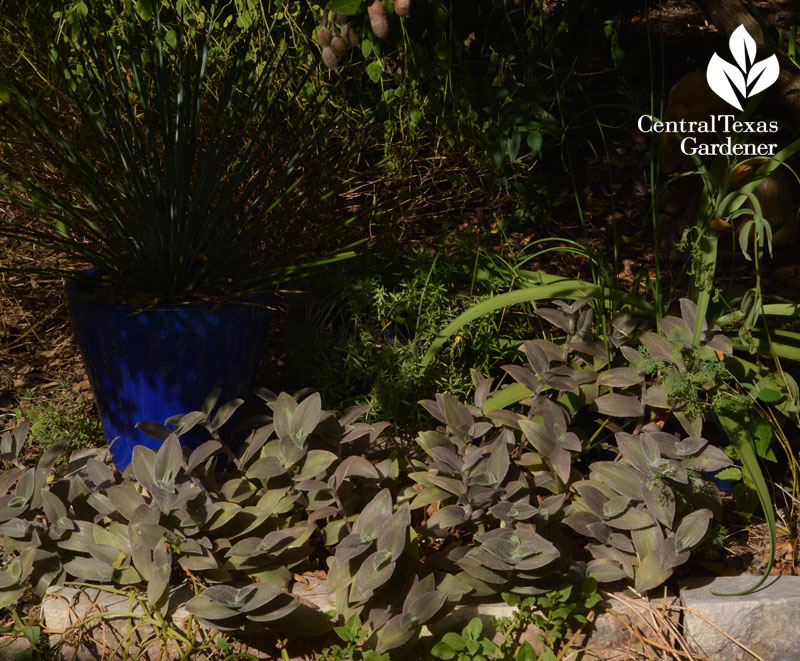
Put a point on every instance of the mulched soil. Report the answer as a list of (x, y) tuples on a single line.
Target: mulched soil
[(38, 349)]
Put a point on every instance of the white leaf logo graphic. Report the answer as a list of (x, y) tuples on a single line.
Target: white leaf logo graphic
[(746, 78), (743, 48), (763, 74), (722, 76)]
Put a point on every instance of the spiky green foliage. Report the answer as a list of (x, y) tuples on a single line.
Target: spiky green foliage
[(189, 178)]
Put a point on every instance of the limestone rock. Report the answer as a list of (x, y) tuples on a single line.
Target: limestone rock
[(764, 621), (91, 624), (10, 646)]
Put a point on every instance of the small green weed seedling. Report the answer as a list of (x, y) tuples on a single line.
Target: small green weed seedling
[(352, 635), (32, 633), (469, 644), (554, 613)]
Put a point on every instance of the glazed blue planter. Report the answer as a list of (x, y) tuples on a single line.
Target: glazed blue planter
[(153, 363)]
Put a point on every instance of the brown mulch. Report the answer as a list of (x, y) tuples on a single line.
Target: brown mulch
[(37, 349)]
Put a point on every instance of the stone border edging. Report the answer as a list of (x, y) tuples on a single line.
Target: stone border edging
[(765, 622)]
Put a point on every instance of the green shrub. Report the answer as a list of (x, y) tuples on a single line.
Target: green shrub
[(366, 329)]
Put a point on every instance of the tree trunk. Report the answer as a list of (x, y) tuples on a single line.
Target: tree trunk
[(727, 15)]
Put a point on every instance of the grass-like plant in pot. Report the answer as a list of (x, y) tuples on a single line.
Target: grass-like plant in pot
[(189, 184)]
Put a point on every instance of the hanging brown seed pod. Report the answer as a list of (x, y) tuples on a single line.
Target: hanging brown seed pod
[(324, 37), (377, 20), (329, 58), (402, 7), (350, 36), (338, 46), (340, 19)]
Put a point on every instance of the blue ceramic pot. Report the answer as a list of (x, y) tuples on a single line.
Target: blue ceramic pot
[(153, 363)]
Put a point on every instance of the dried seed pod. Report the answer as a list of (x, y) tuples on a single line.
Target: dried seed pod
[(329, 58), (377, 20), (338, 46), (402, 7), (350, 35), (324, 37), (340, 19)]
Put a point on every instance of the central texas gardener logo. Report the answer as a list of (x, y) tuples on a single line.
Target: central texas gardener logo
[(717, 134), (737, 82)]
